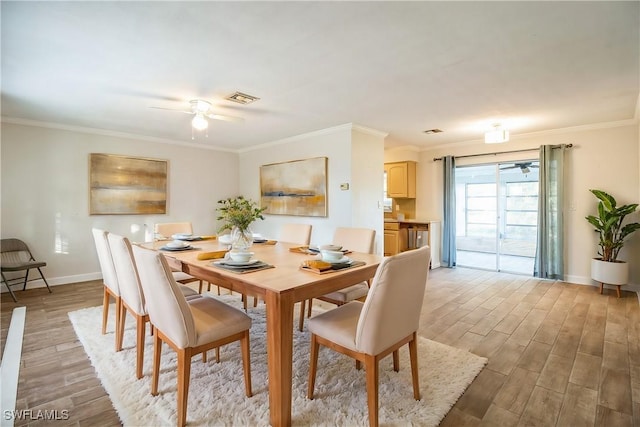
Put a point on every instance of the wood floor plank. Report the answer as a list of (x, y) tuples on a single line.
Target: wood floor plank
[(543, 408), (515, 393), (578, 407)]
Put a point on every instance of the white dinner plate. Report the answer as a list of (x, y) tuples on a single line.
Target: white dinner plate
[(182, 236), (343, 260), (239, 263), (169, 248)]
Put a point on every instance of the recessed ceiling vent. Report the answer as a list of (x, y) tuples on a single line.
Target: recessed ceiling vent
[(429, 131), (242, 98)]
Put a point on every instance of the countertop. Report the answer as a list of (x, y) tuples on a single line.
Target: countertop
[(411, 221)]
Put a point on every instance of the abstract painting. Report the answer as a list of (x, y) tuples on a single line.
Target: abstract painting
[(297, 187), (120, 185)]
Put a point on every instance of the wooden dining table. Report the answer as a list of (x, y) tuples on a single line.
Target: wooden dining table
[(280, 287)]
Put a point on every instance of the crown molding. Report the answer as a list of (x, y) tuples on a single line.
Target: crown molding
[(559, 131), (347, 127), (103, 132)]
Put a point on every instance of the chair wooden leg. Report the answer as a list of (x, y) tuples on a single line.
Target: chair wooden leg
[(396, 361), (601, 287), (313, 365), (140, 330), (246, 363), (200, 286), (301, 319), (184, 373), (217, 354), (413, 357), (309, 308), (204, 357), (105, 310), (157, 350), (358, 365), (371, 367), (120, 322), (618, 290)]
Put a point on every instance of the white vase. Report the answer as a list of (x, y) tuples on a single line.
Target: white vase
[(611, 273), (241, 240)]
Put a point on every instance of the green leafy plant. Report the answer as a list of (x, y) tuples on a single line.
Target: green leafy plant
[(238, 212), (608, 224)]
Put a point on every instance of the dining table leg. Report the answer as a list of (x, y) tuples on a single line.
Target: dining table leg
[(280, 356)]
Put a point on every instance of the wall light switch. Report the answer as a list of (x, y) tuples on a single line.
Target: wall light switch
[(344, 186)]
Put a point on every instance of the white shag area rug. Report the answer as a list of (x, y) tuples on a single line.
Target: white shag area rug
[(216, 391)]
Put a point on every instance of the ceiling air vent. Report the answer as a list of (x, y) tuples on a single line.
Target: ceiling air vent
[(242, 98), (429, 131)]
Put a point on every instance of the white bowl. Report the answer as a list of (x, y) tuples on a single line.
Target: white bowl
[(240, 256), (177, 244), (331, 256), (330, 247)]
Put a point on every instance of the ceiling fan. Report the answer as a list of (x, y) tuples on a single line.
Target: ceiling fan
[(524, 167), (201, 110)]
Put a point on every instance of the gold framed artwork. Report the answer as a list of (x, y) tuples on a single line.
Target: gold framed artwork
[(298, 187), (122, 185)]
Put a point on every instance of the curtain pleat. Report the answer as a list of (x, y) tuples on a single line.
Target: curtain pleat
[(449, 220)]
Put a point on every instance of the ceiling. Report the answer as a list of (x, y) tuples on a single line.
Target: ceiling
[(397, 67)]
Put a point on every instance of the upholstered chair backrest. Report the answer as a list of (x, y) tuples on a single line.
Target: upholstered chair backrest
[(127, 273), (299, 234), (168, 229), (109, 277), (355, 239), (167, 307), (392, 308)]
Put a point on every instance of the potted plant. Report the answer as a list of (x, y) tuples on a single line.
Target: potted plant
[(608, 223), (237, 214)]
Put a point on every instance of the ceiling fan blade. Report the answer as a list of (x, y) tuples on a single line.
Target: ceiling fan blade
[(225, 118), (510, 167), (534, 166), (174, 109)]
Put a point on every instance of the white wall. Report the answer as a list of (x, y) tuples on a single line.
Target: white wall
[(335, 144), (607, 158), (45, 187)]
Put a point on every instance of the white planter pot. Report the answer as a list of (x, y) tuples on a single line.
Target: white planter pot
[(611, 273)]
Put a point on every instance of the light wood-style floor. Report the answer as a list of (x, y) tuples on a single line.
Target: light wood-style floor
[(559, 354)]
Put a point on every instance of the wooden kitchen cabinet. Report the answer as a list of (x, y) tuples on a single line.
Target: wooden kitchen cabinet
[(401, 179), (395, 238)]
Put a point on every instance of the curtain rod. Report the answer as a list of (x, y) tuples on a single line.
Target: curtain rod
[(435, 159)]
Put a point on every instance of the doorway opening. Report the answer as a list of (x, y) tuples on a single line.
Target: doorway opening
[(497, 215)]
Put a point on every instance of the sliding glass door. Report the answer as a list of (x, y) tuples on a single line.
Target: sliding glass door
[(496, 216)]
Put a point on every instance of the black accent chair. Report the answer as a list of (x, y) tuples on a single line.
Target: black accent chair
[(17, 257)]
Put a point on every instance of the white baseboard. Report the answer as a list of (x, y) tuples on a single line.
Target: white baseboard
[(55, 281)]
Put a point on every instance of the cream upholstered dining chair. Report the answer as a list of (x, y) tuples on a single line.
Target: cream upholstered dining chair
[(164, 231), (372, 330), (354, 239), (187, 327), (109, 280), (296, 233), (131, 295)]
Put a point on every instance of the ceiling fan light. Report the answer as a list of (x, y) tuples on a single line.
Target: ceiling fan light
[(199, 122), (497, 135)]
